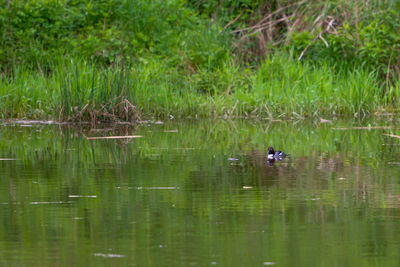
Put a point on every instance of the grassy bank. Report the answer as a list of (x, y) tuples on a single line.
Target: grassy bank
[(280, 86), (126, 60)]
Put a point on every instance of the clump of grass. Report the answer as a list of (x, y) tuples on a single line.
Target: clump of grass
[(93, 94)]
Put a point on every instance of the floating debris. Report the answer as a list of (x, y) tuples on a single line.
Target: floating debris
[(365, 128), (394, 163), (155, 188), (76, 196), (49, 202), (109, 255), (269, 263), (247, 187), (29, 122), (384, 114), (392, 135), (233, 159), (114, 137), (321, 120), (171, 131), (341, 178), (390, 144), (7, 159)]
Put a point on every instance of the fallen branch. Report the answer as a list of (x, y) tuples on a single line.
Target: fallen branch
[(233, 21), (261, 22), (393, 135), (259, 27), (319, 36), (269, 113), (114, 137), (365, 128)]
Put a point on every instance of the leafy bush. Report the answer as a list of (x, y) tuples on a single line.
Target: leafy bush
[(106, 31), (374, 42)]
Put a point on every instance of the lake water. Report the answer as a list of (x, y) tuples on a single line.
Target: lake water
[(201, 193)]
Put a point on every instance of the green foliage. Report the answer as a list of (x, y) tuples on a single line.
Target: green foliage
[(79, 59), (106, 32)]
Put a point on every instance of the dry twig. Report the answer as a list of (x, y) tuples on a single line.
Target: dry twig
[(114, 137), (319, 36)]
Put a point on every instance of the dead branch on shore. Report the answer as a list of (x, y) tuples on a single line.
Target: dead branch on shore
[(319, 36), (114, 137)]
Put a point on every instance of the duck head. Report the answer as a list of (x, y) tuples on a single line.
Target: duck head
[(271, 150)]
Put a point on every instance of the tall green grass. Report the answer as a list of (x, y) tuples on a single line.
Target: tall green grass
[(288, 86), (78, 90)]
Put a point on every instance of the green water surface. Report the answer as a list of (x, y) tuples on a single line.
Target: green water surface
[(201, 193)]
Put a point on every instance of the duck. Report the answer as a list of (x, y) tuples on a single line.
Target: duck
[(275, 155)]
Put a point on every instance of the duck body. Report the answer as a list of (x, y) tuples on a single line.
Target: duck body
[(275, 155)]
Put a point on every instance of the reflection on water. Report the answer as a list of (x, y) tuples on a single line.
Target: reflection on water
[(199, 194)]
